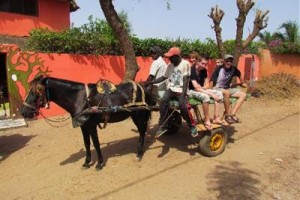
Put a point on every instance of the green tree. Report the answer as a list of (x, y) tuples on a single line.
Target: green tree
[(288, 41), (266, 37), (291, 31)]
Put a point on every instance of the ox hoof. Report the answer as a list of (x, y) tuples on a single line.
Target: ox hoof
[(138, 159), (99, 166), (85, 166)]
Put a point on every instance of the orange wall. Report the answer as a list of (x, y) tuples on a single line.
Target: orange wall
[(241, 64), (79, 68), (54, 15), (91, 68), (275, 63)]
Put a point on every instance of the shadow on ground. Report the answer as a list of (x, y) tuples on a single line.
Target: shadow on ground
[(12, 143), (111, 149), (231, 180), (183, 141)]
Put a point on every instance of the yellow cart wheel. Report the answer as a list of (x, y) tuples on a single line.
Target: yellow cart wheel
[(213, 142)]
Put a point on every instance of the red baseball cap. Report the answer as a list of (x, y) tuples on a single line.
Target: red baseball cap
[(173, 51)]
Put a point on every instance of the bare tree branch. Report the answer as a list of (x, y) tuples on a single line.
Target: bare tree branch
[(216, 15), (244, 7), (260, 22)]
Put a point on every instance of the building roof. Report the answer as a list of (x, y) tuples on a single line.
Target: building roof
[(73, 5)]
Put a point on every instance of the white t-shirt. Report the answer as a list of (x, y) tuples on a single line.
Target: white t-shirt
[(175, 75), (157, 69)]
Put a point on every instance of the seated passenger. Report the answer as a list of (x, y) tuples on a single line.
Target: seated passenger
[(193, 58), (177, 75), (199, 89), (221, 80)]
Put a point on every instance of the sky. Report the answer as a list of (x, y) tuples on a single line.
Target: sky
[(189, 18)]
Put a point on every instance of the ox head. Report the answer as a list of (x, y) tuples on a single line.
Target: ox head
[(36, 98)]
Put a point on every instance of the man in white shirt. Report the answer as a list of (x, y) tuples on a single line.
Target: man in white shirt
[(157, 70), (177, 75)]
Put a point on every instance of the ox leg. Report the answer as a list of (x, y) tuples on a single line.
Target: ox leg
[(96, 143), (141, 119), (87, 144)]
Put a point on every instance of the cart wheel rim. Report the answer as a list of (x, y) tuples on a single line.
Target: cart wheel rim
[(216, 142)]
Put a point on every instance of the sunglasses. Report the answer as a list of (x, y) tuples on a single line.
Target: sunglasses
[(229, 61)]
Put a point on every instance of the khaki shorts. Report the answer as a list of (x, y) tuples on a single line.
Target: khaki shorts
[(231, 90)]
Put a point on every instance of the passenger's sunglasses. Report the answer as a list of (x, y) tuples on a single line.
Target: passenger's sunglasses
[(229, 61)]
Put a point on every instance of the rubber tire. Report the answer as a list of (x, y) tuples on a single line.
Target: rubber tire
[(218, 135), (174, 123)]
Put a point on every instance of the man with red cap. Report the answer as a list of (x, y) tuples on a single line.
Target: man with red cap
[(177, 75)]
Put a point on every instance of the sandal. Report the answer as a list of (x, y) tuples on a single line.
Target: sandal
[(229, 119), (236, 119), (208, 126)]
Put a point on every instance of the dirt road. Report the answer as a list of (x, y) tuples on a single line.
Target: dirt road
[(261, 161)]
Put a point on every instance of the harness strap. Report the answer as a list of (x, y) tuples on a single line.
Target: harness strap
[(143, 93), (47, 104), (87, 91), (106, 95), (135, 88), (106, 118), (28, 105)]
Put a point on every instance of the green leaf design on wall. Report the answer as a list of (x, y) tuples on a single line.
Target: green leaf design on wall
[(22, 67)]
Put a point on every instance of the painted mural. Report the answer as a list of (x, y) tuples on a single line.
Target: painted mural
[(21, 68)]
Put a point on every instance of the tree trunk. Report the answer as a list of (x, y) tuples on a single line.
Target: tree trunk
[(244, 7), (131, 67)]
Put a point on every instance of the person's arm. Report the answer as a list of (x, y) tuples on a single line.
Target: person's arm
[(186, 80), (197, 86), (206, 83), (158, 80), (150, 78), (214, 77), (241, 79), (242, 83)]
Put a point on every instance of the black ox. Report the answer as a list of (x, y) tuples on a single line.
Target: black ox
[(88, 107)]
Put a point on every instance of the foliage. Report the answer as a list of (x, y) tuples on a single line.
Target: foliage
[(283, 43), (97, 37), (279, 86), (279, 47)]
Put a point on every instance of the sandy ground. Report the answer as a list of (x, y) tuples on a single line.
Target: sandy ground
[(261, 161)]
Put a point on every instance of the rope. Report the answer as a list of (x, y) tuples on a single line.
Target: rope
[(50, 121)]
